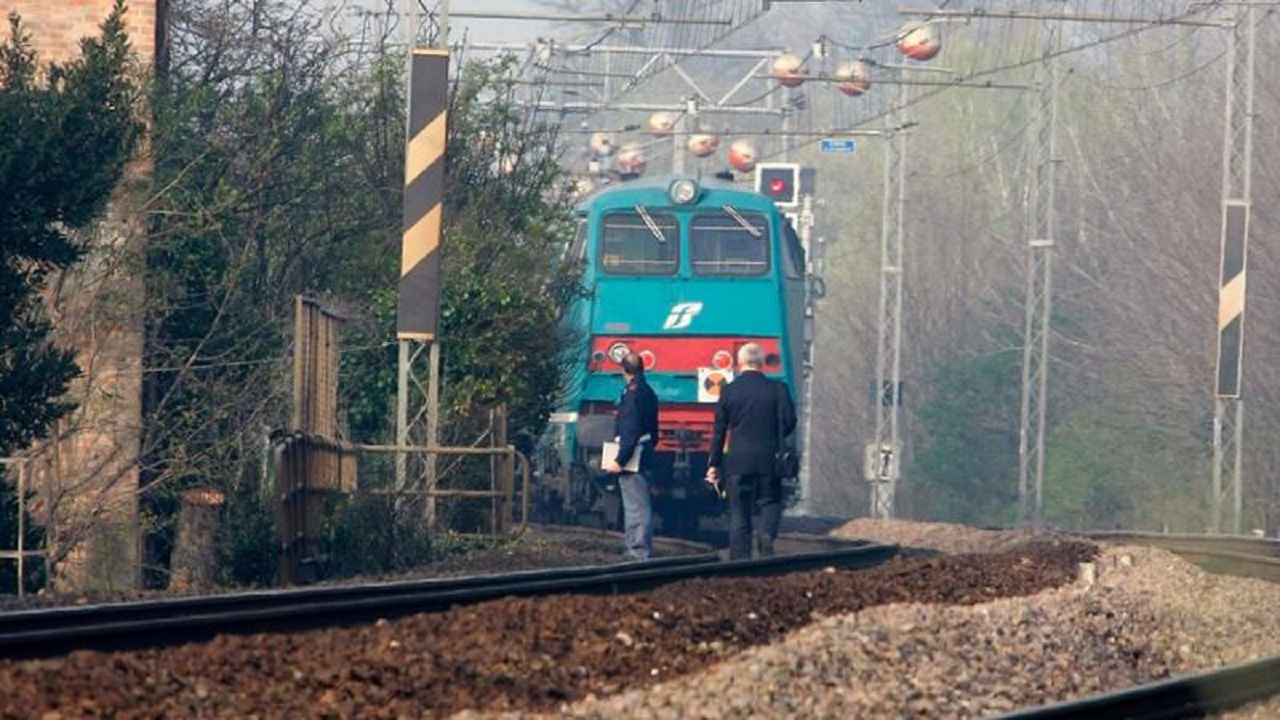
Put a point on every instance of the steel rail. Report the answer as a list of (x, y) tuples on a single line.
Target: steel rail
[(1188, 696), (1229, 554), (67, 618), (1264, 547), (1192, 695), (56, 631)]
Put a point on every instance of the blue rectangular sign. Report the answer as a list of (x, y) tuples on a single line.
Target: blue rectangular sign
[(841, 145)]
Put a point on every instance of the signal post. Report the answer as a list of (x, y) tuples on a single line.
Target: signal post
[(791, 187)]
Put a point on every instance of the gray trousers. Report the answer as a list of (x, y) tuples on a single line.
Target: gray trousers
[(637, 515)]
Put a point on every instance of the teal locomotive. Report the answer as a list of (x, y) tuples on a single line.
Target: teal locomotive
[(682, 271)]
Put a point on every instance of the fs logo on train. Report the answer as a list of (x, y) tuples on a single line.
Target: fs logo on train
[(681, 315)]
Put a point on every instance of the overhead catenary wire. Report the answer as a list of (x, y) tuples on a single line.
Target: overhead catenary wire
[(845, 114), (1026, 62)]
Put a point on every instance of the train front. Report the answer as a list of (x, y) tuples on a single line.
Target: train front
[(683, 274)]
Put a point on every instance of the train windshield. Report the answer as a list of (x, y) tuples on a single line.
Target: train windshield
[(730, 242), (640, 242), (577, 248)]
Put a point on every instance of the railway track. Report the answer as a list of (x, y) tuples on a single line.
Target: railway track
[(1241, 556), (1199, 694), (49, 632), (118, 626)]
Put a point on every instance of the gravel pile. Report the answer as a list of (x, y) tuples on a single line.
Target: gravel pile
[(519, 654), (954, 539), (962, 636), (1147, 615)]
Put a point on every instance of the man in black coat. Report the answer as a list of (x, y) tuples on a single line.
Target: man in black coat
[(749, 411), (636, 428)]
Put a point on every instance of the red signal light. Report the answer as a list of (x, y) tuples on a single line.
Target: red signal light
[(777, 186)]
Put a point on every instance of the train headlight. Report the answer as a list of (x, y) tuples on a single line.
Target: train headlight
[(618, 351), (683, 191)]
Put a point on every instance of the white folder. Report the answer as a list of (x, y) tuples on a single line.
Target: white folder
[(609, 453)]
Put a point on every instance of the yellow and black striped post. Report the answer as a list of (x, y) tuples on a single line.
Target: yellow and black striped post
[(1231, 294), (419, 310)]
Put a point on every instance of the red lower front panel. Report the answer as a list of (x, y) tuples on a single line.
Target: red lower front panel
[(685, 427), (680, 354)]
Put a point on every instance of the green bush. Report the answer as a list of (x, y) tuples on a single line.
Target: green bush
[(249, 554), (367, 534)]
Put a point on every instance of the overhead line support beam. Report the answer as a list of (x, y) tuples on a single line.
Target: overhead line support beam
[(626, 50), (624, 21), (1019, 15)]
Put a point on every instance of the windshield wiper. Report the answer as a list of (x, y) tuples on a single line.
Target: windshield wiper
[(732, 212), (643, 212)]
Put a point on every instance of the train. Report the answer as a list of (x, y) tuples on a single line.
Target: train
[(683, 271)]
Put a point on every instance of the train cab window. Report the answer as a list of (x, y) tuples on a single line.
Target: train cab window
[(792, 253), (730, 243), (578, 248), (639, 242)]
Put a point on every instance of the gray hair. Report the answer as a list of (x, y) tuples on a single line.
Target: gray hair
[(751, 355)]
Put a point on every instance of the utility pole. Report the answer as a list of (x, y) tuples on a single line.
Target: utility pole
[(1237, 164), (805, 222), (1038, 305), (686, 125), (404, 347), (788, 108), (883, 455)]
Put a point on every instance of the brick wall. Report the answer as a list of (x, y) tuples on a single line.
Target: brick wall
[(56, 26), (88, 474)]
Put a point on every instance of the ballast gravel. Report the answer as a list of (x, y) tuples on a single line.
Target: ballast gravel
[(1001, 625), (511, 654), (1145, 615)]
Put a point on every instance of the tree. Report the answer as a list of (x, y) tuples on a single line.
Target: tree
[(968, 440), (275, 152), (508, 222), (279, 151), (66, 134)]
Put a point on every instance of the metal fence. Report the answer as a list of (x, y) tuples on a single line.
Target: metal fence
[(315, 468), (21, 553), (305, 484)]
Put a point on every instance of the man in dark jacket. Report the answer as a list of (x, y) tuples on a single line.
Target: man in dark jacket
[(636, 427), (748, 413)]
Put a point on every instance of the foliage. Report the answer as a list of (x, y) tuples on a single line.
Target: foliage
[(964, 468), (1108, 468), (65, 136), (507, 223), (279, 155), (273, 158), (249, 555), (370, 535)]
